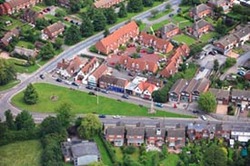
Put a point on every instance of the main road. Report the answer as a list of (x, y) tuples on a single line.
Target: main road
[(5, 100)]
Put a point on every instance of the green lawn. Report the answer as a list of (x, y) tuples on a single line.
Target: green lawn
[(26, 153), (160, 14), (104, 154), (25, 44), (82, 102), (208, 36), (184, 38), (161, 24), (171, 160), (142, 26), (15, 22), (9, 85), (183, 22), (22, 69)]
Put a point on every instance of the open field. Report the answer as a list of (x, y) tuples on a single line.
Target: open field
[(82, 103), (26, 153), (9, 85), (184, 38)]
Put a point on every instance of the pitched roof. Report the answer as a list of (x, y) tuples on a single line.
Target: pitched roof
[(113, 80), (202, 85), (9, 35), (84, 148), (100, 71), (220, 93), (15, 3), (242, 31), (168, 27), (100, 3), (191, 85), (176, 132), (89, 66), (178, 86), (25, 51), (117, 130), (240, 93), (200, 8), (143, 86), (155, 132), (135, 131), (217, 2), (200, 24), (227, 40), (55, 27)]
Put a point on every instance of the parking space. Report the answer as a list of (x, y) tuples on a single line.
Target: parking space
[(208, 60)]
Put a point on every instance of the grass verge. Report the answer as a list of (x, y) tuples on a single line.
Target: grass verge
[(26, 153), (9, 85), (104, 154), (82, 103)]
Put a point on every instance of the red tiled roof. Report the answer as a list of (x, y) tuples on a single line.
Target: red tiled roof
[(100, 71), (89, 66), (146, 86), (102, 3), (55, 27)]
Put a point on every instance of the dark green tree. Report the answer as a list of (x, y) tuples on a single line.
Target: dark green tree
[(207, 102), (72, 35), (47, 51), (148, 3), (90, 12), (9, 120), (24, 121), (220, 27), (111, 16), (90, 126), (50, 2), (58, 43), (7, 72), (51, 125), (60, 13), (99, 21), (123, 11), (215, 156), (75, 5), (106, 32), (41, 23), (64, 115), (216, 65), (87, 28), (30, 95), (134, 6)]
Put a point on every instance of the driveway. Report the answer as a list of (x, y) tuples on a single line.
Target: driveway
[(208, 61)]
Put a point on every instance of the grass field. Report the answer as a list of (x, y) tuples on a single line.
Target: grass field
[(9, 85), (26, 153), (104, 154), (184, 38), (82, 103), (22, 69)]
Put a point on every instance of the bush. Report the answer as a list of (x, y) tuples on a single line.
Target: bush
[(129, 150)]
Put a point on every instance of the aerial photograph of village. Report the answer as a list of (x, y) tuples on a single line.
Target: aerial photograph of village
[(124, 82)]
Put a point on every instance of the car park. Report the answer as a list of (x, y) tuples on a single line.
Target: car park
[(196, 111), (58, 80), (97, 89), (89, 87), (171, 15)]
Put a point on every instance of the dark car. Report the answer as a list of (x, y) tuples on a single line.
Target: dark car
[(92, 93), (171, 15), (58, 80), (75, 84), (102, 116), (97, 89), (41, 76), (125, 96), (105, 91), (196, 111), (89, 87)]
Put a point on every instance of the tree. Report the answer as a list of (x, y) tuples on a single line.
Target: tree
[(134, 6), (72, 35), (30, 95), (9, 120), (41, 23), (47, 51), (214, 156), (216, 65), (86, 28), (99, 21), (106, 32), (90, 126), (58, 43), (75, 5), (111, 16), (230, 62), (148, 3), (50, 2), (64, 115), (207, 102), (220, 27), (60, 13), (51, 125), (122, 11), (7, 72), (24, 121)]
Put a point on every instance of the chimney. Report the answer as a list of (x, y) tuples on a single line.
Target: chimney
[(158, 131), (63, 60)]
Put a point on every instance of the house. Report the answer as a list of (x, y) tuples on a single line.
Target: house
[(200, 11), (115, 135), (175, 60), (94, 77), (30, 16), (169, 30), (52, 31), (6, 39), (222, 96), (224, 4), (241, 98), (186, 93), (176, 89), (145, 90), (68, 69), (200, 131), (112, 42), (240, 133), (80, 152), (12, 6), (155, 135), (133, 84), (106, 3), (138, 64), (242, 33), (199, 28), (112, 83), (222, 131), (28, 53), (155, 81), (176, 137), (159, 45), (135, 135), (86, 70), (201, 87)]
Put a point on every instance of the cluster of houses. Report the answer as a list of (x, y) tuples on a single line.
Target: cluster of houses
[(174, 136)]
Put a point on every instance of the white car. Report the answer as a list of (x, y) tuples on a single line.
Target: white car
[(203, 117), (116, 117)]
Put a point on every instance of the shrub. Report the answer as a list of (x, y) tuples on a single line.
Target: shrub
[(129, 150)]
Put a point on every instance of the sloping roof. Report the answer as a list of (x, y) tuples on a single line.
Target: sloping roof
[(217, 3), (200, 24), (55, 27), (220, 93), (25, 51), (100, 71), (178, 86), (168, 28), (240, 93), (153, 132), (202, 85), (89, 65), (146, 86), (100, 3), (242, 31), (15, 3), (9, 35), (135, 131), (113, 80), (176, 132), (118, 130), (227, 40), (84, 148), (191, 85), (200, 8)]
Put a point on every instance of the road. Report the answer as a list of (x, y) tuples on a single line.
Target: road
[(5, 100)]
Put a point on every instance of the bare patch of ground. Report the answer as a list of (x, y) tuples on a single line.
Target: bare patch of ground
[(221, 109)]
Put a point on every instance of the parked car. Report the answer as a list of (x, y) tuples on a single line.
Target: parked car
[(171, 15), (102, 116), (41, 76), (241, 73), (196, 111), (104, 91), (125, 96), (68, 82), (203, 117), (97, 89), (116, 117), (75, 84), (92, 93), (58, 80), (89, 87), (159, 105)]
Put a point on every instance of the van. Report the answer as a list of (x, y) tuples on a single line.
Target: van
[(203, 117)]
